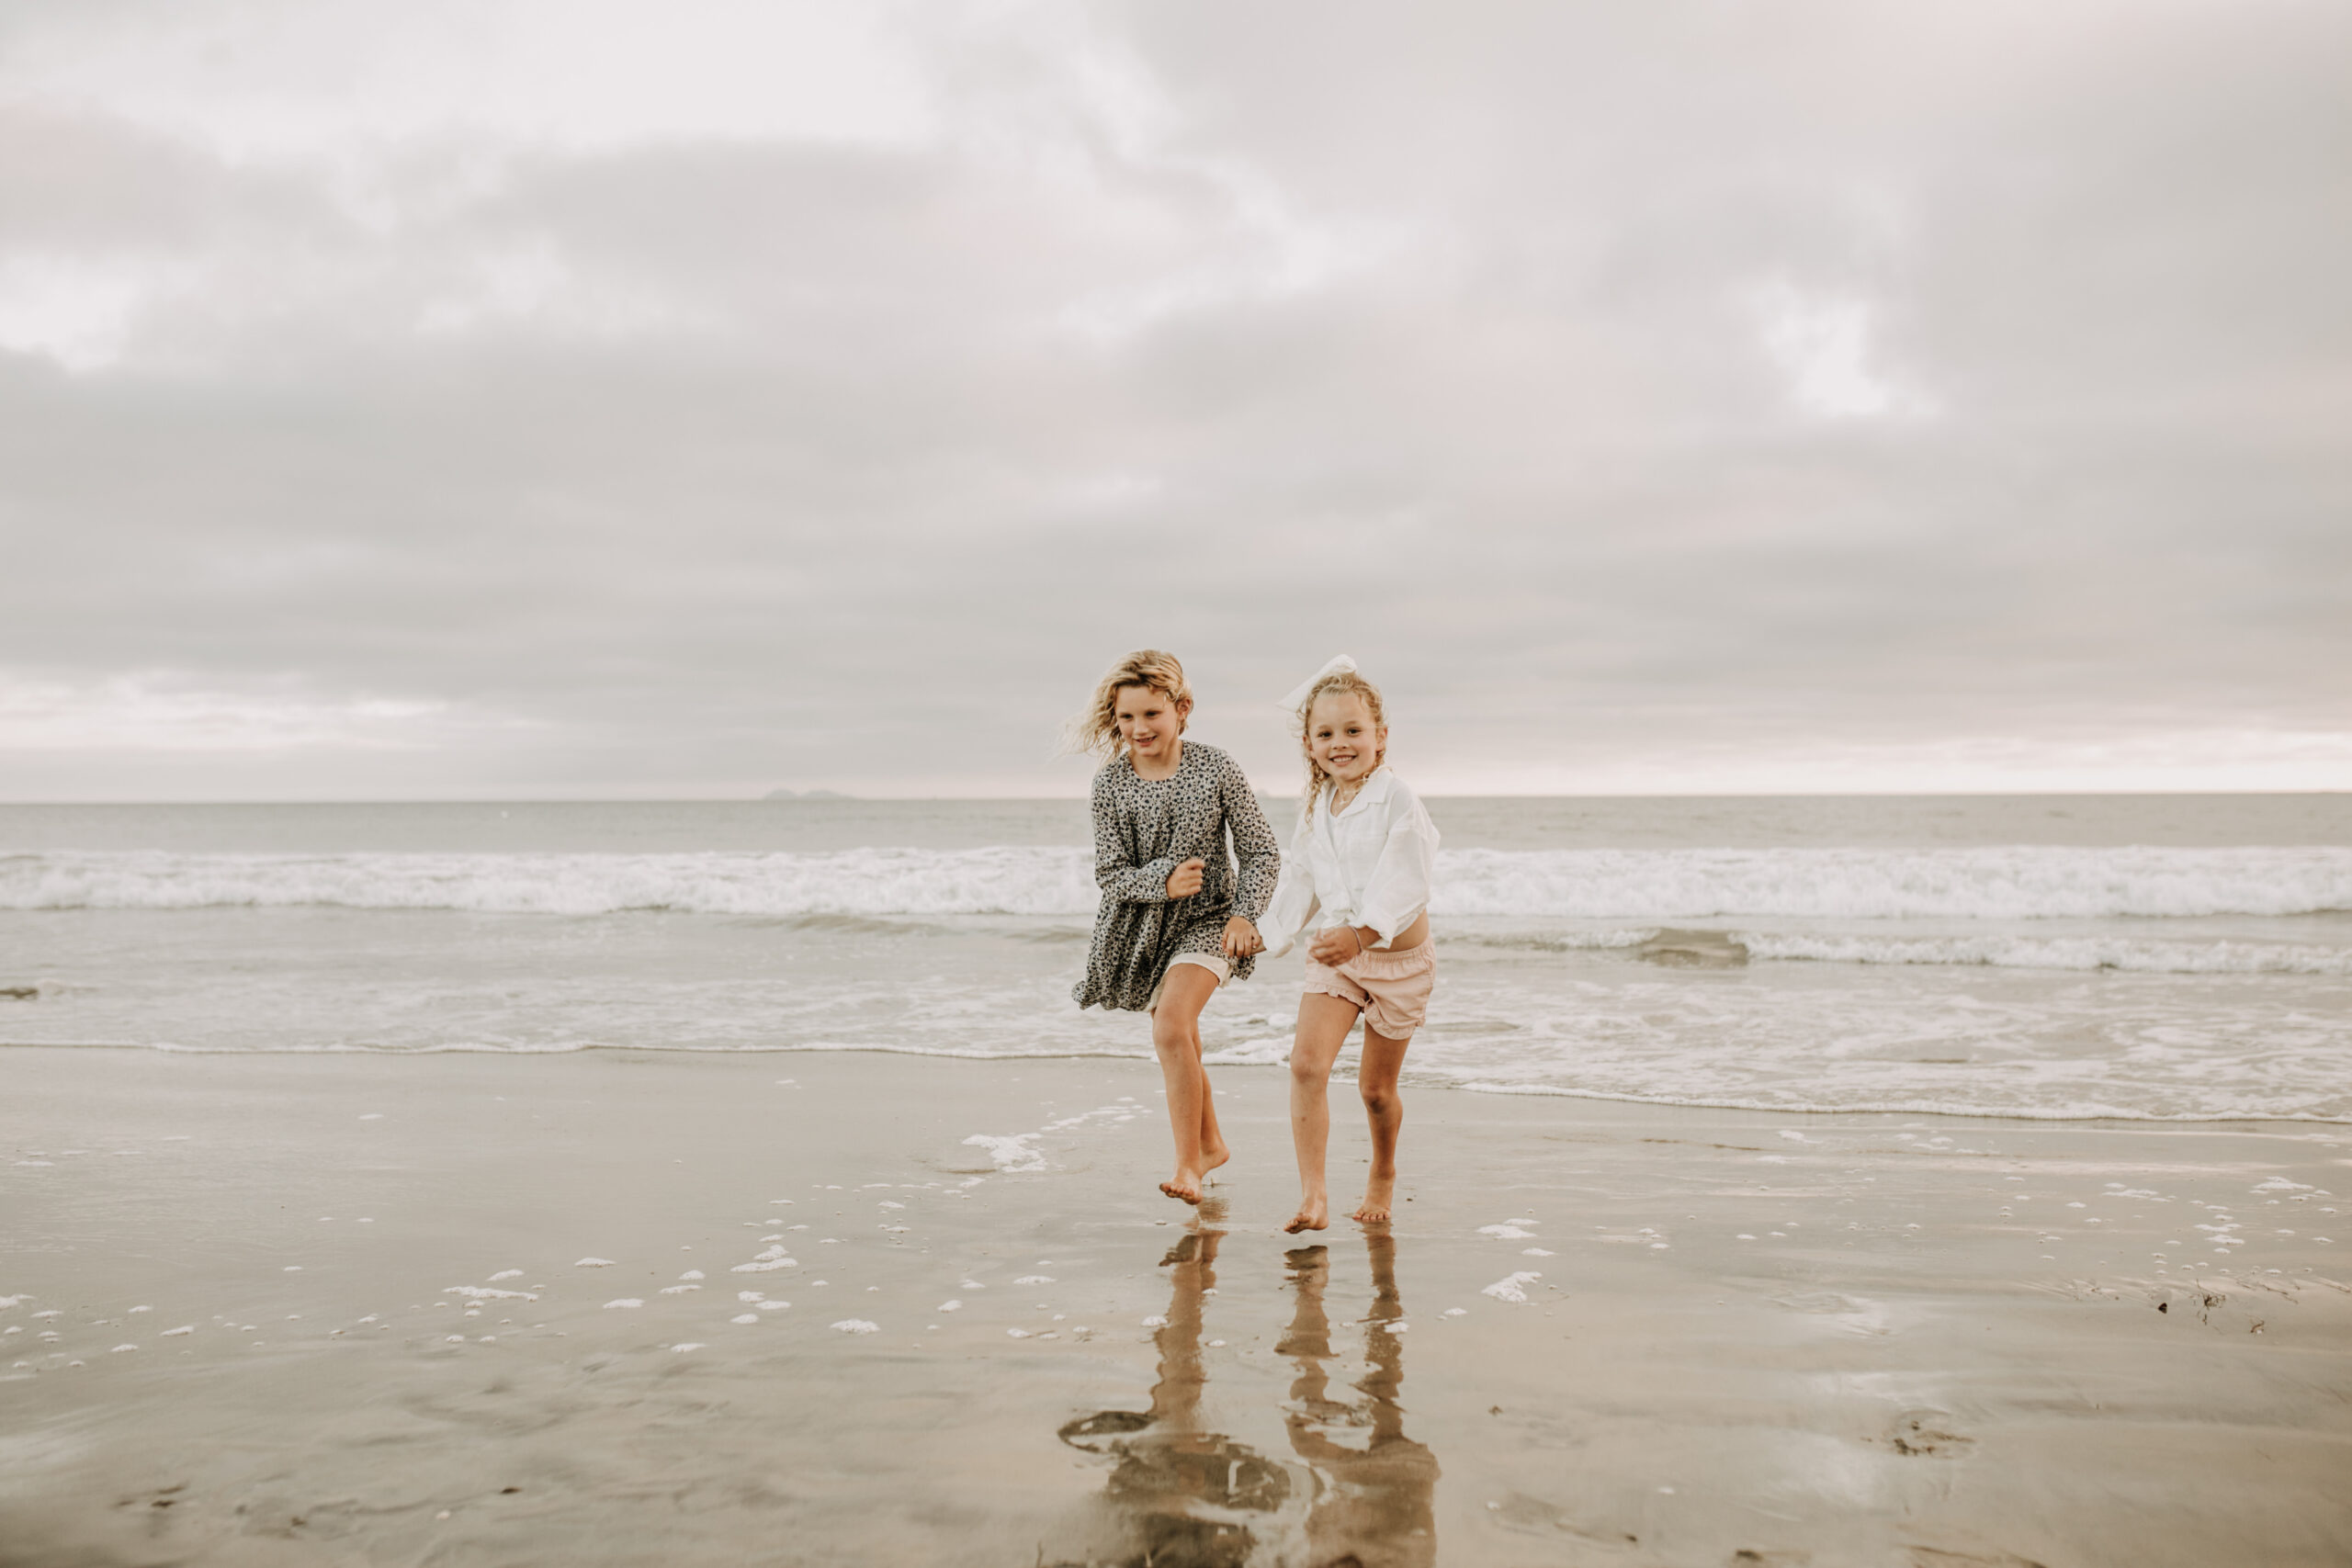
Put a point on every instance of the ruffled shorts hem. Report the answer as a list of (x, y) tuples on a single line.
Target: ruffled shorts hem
[(1391, 990)]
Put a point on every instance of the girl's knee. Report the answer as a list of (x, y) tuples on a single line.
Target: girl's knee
[(1380, 1099), (1307, 1074)]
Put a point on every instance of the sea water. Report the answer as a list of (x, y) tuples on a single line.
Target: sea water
[(2150, 957)]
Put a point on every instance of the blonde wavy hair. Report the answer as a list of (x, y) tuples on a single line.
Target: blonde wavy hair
[(1095, 731), (1337, 680)]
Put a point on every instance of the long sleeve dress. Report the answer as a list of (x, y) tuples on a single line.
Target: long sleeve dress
[(1143, 829)]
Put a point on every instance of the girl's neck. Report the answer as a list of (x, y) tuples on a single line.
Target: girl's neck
[(1152, 769)]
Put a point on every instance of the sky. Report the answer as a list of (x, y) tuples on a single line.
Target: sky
[(573, 398)]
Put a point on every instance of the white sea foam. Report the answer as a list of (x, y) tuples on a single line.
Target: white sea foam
[(2000, 882), (1512, 1287), (1010, 1153), (2135, 954), (1995, 995), (1031, 881)]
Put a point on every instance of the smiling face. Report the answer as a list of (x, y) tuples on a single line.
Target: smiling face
[(1342, 740), (1149, 720)]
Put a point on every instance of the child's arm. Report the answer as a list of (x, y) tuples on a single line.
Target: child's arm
[(1399, 888), (1118, 876), (1254, 845), (1294, 902)]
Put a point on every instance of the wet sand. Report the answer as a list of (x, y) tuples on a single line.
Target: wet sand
[(1738, 1338)]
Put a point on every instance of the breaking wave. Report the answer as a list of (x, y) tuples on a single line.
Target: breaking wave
[(2004, 883)]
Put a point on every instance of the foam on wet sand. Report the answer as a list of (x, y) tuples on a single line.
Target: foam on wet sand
[(1886, 1339)]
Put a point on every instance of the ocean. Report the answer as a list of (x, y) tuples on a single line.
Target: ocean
[(2163, 958)]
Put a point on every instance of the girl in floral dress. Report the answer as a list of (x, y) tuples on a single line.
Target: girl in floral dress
[(1178, 917)]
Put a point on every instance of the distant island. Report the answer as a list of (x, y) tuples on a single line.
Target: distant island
[(806, 795)]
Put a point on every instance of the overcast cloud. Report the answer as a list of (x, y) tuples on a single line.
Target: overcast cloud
[(597, 398)]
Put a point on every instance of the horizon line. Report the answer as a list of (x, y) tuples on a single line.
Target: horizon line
[(836, 797)]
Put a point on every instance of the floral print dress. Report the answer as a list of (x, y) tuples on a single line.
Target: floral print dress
[(1143, 829)]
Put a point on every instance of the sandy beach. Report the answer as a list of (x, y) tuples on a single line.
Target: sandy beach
[(659, 645), (623, 1307)]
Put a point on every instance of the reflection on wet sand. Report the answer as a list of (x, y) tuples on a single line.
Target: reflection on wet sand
[(1376, 1505), (1186, 1497)]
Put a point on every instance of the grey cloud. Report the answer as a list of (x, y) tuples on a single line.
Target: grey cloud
[(1441, 339)]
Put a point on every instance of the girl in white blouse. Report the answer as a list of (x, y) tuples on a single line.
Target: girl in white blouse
[(1358, 869)]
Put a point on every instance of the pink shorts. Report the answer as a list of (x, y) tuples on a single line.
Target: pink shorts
[(1392, 988)]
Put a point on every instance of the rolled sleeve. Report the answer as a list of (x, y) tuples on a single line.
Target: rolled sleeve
[(1294, 902), (1398, 890)]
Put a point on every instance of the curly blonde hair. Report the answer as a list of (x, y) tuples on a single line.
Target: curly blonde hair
[(1337, 680), (1095, 731)]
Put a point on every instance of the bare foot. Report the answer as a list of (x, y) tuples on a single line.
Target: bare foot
[(1212, 1159), (1184, 1185), (1379, 1193), (1313, 1215)]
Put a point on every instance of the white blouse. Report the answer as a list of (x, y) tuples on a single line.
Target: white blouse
[(1368, 865)]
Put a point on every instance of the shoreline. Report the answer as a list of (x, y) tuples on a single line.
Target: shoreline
[(1230, 1061), (1814, 1335)]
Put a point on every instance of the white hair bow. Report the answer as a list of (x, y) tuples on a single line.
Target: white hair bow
[(1339, 665)]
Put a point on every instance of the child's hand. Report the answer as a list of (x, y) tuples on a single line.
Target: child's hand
[(1186, 880), (1336, 946), (1241, 938)]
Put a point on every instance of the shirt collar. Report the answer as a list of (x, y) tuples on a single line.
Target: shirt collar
[(1375, 790)]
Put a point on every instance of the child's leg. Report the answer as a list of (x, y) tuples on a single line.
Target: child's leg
[(1192, 1118), (1384, 1107), (1323, 1024), (1214, 1152)]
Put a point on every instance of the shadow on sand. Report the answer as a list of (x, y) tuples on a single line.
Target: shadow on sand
[(1356, 1492)]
